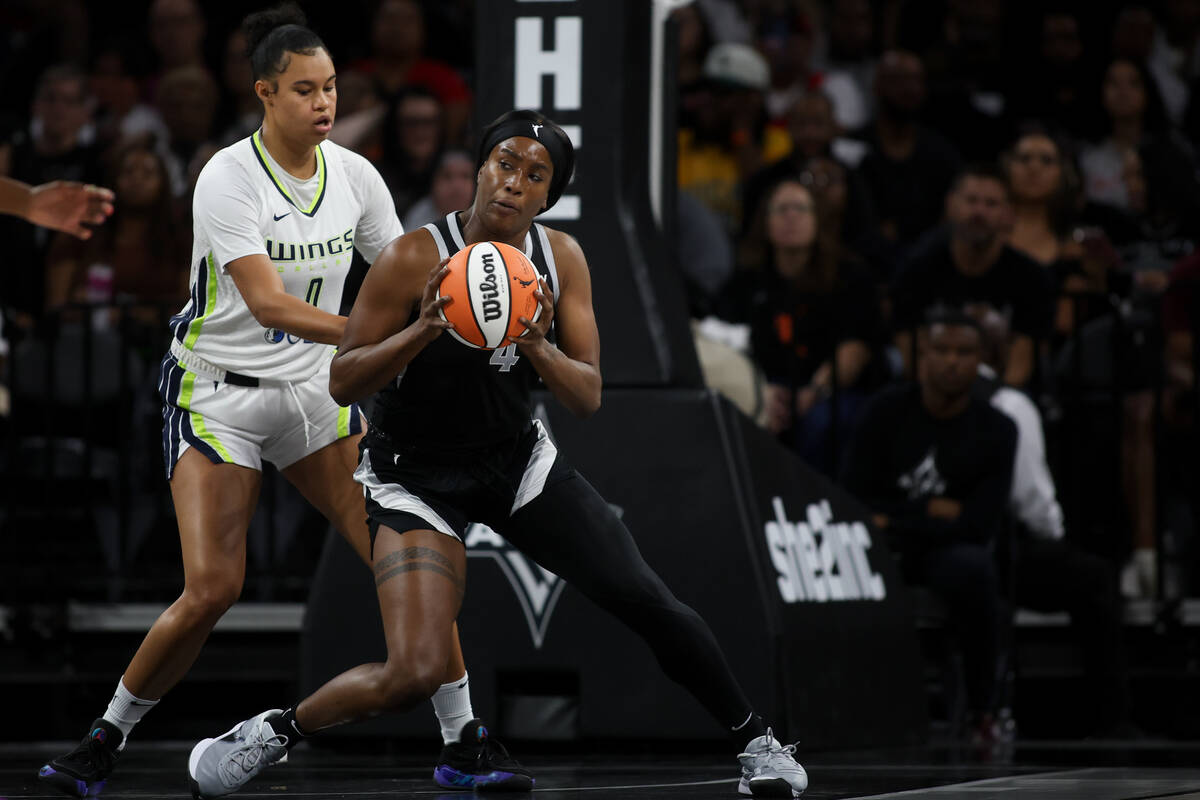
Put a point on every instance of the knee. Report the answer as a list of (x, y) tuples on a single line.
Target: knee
[(640, 597), (403, 684), (210, 599)]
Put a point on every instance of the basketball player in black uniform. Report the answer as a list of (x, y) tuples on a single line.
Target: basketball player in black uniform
[(452, 440)]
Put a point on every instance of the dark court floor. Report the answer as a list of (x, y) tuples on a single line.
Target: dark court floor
[(1035, 771)]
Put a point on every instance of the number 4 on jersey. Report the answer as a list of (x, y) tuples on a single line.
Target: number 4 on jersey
[(505, 358)]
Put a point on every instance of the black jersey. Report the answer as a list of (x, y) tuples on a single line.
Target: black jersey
[(453, 397)]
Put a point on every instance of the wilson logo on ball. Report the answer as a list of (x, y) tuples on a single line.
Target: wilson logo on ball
[(492, 285)]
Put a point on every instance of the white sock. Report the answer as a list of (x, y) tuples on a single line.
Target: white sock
[(125, 710), (452, 703)]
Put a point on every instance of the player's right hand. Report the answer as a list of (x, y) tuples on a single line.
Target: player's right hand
[(431, 305)]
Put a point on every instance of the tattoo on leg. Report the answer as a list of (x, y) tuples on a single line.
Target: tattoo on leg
[(413, 554), (423, 559)]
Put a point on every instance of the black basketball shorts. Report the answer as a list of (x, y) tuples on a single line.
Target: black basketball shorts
[(410, 489)]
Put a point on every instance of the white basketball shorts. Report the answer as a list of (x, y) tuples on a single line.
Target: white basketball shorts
[(231, 421)]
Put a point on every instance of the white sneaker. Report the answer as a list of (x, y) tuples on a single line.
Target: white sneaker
[(223, 765), (770, 769)]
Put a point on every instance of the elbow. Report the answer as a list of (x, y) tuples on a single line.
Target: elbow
[(339, 388), (588, 409), (587, 406), (340, 395), (265, 313)]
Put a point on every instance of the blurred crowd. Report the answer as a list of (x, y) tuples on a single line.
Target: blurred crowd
[(142, 109), (844, 166), (857, 165)]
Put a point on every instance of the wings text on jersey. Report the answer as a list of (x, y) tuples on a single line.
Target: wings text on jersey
[(288, 252)]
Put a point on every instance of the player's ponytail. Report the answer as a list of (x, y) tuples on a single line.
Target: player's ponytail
[(273, 33)]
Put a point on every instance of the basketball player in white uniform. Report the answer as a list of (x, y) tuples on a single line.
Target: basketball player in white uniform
[(277, 217)]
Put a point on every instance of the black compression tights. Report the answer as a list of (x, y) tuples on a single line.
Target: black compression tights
[(571, 531)]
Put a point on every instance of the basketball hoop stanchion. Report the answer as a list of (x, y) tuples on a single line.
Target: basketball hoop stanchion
[(584, 65)]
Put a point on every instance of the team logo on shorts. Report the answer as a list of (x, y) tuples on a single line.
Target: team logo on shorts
[(273, 335)]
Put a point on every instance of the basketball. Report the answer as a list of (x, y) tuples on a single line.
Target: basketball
[(492, 284)]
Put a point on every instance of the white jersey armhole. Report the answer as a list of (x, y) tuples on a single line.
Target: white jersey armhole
[(443, 251), (548, 252)]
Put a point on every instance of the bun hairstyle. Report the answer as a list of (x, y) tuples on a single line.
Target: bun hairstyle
[(272, 34)]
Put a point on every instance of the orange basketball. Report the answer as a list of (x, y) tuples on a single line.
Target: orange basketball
[(492, 284)]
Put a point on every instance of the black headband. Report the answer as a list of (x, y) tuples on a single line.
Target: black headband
[(545, 135)]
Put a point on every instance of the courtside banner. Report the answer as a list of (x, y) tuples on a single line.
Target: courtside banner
[(586, 65), (849, 654)]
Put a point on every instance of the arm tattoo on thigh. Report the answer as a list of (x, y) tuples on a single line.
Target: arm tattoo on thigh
[(423, 559)]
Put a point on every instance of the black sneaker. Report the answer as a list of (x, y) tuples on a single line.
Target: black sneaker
[(83, 771), (476, 761)]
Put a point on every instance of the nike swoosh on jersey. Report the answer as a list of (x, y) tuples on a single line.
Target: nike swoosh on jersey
[(281, 216)]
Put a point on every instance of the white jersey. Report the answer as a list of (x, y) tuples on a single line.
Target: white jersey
[(246, 204)]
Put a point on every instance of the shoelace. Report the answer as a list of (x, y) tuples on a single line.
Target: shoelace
[(246, 757), (492, 753), (782, 757), (774, 751)]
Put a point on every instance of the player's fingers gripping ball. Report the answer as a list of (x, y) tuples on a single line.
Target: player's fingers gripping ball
[(492, 285)]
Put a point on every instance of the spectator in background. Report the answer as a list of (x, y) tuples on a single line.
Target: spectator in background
[(1044, 190), (973, 264), (120, 112), (57, 145), (177, 29), (848, 68), (241, 110), (139, 256), (361, 113), (35, 36), (413, 136), (723, 135), (813, 322), (1133, 33), (971, 79), (1048, 573), (1135, 125), (785, 36), (1132, 109), (398, 62), (187, 100), (1167, 50), (1058, 84), (1080, 262), (694, 40), (1161, 223), (812, 130), (908, 167), (934, 462), (452, 189)]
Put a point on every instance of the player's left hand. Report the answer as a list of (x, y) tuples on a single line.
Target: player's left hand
[(67, 205), (535, 332)]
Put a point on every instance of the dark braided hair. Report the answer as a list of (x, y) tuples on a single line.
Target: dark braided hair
[(272, 34)]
